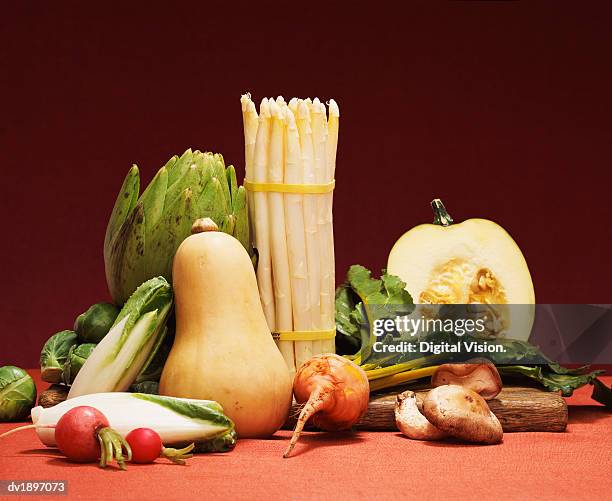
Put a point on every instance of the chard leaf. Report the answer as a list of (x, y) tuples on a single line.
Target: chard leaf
[(551, 380), (345, 305), (363, 299), (601, 393)]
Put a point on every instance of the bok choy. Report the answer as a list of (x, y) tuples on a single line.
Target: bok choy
[(116, 361)]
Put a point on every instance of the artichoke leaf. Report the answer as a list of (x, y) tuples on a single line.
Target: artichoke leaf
[(180, 167), (153, 199), (125, 203), (125, 257), (232, 182), (239, 209), (167, 235), (212, 202), (220, 174)]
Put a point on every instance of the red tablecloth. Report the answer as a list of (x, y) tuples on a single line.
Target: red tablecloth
[(570, 465)]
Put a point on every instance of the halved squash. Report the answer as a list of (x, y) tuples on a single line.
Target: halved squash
[(474, 262)]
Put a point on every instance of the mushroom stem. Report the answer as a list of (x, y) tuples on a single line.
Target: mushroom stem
[(411, 422)]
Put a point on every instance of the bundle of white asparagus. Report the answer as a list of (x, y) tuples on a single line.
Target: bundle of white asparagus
[(293, 144)]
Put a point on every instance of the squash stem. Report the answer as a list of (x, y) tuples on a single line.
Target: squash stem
[(441, 216)]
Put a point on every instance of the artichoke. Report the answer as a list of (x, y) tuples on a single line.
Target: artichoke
[(144, 232)]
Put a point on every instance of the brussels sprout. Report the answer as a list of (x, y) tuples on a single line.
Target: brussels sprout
[(76, 359), (17, 393), (54, 355), (93, 325), (150, 387)]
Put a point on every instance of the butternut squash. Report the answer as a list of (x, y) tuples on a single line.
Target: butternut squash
[(223, 350)]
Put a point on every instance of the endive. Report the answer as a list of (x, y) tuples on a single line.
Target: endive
[(176, 420), (116, 361)]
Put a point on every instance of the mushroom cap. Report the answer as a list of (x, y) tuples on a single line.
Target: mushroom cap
[(411, 422), (462, 413), (479, 375)]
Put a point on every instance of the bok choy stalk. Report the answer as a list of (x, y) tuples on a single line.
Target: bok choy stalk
[(176, 420), (116, 361)]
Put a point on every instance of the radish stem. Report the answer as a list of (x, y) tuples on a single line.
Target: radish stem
[(27, 427), (111, 446), (178, 456)]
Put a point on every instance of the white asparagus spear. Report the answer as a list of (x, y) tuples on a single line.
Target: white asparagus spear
[(287, 348), (310, 219), (296, 239), (280, 260), (293, 106), (319, 136), (250, 123), (262, 232), (333, 125)]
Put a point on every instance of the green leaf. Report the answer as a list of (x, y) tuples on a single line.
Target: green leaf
[(153, 199), (360, 280), (602, 393), (364, 299), (551, 380), (170, 231), (125, 263), (17, 393), (124, 204), (54, 355), (179, 167), (153, 367), (232, 183), (153, 295), (209, 411)]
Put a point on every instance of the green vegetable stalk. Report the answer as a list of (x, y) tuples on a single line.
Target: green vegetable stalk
[(362, 299), (144, 232), (54, 355), (17, 393)]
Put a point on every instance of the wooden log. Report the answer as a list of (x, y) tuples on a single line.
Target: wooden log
[(517, 408)]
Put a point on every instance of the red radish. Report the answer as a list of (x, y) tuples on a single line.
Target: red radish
[(83, 435), (336, 392), (147, 446)]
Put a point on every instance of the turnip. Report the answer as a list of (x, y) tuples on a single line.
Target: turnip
[(336, 392)]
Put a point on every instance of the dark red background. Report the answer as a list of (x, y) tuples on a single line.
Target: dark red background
[(500, 108)]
